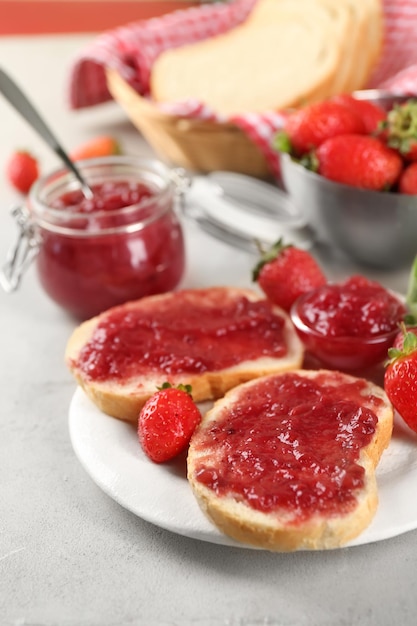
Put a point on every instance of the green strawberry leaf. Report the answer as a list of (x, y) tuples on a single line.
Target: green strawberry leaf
[(187, 388), (411, 296), (410, 343), (409, 346), (310, 161), (393, 355), (282, 142), (267, 256), (401, 125), (166, 385)]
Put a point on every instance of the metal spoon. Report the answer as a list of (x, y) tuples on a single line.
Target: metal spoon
[(20, 102)]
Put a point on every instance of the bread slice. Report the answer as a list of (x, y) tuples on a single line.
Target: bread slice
[(367, 40), (192, 327), (340, 17), (345, 27), (250, 461), (286, 53), (360, 55)]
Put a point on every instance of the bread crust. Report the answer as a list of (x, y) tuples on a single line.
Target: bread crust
[(124, 399), (276, 531)]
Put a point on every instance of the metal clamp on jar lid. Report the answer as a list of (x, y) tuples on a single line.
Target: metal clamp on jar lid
[(93, 253), (242, 210), (21, 255)]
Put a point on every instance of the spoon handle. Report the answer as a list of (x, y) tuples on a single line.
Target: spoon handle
[(20, 102)]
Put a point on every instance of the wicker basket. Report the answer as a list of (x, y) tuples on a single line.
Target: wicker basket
[(197, 145)]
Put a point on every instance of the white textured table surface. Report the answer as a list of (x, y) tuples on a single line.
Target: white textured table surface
[(69, 555)]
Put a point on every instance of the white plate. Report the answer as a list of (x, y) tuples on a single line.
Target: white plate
[(110, 452)]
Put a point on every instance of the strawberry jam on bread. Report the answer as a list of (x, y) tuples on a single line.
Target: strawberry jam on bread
[(212, 339), (287, 461)]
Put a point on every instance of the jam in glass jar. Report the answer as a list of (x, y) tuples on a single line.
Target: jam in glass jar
[(124, 243), (349, 325)]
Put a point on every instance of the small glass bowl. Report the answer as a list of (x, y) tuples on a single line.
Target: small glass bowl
[(348, 353)]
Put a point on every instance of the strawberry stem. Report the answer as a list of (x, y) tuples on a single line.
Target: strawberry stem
[(411, 297), (267, 256)]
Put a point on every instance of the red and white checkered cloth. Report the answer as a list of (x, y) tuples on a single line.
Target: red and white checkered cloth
[(132, 49)]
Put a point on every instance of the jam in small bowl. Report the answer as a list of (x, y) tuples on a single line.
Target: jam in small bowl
[(348, 326), (124, 243)]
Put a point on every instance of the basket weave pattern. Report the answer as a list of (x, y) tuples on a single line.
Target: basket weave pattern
[(198, 145)]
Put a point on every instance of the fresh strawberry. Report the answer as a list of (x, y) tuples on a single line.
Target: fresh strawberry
[(167, 421), (284, 272), (360, 161), (101, 146), (400, 379), (408, 180), (400, 129), (307, 128), (22, 170), (371, 114)]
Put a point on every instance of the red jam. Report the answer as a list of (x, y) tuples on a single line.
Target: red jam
[(348, 325), (123, 244), (356, 308), (291, 443), (194, 331), (108, 196)]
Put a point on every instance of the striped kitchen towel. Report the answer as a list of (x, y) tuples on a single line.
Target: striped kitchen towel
[(132, 49)]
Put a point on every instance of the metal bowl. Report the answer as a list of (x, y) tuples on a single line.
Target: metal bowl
[(377, 229)]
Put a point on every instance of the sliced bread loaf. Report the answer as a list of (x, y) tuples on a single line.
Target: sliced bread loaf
[(287, 53), (284, 53), (287, 461)]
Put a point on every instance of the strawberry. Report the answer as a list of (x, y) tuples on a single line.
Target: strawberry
[(400, 379), (284, 272), (167, 421), (408, 180), (22, 170), (360, 161), (400, 129), (371, 114), (307, 128), (104, 145)]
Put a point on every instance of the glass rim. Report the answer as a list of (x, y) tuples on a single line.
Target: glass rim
[(51, 219)]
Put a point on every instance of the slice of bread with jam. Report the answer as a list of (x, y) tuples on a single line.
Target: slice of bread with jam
[(212, 339), (287, 461)]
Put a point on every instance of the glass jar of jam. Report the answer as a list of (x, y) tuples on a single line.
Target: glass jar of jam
[(124, 243)]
